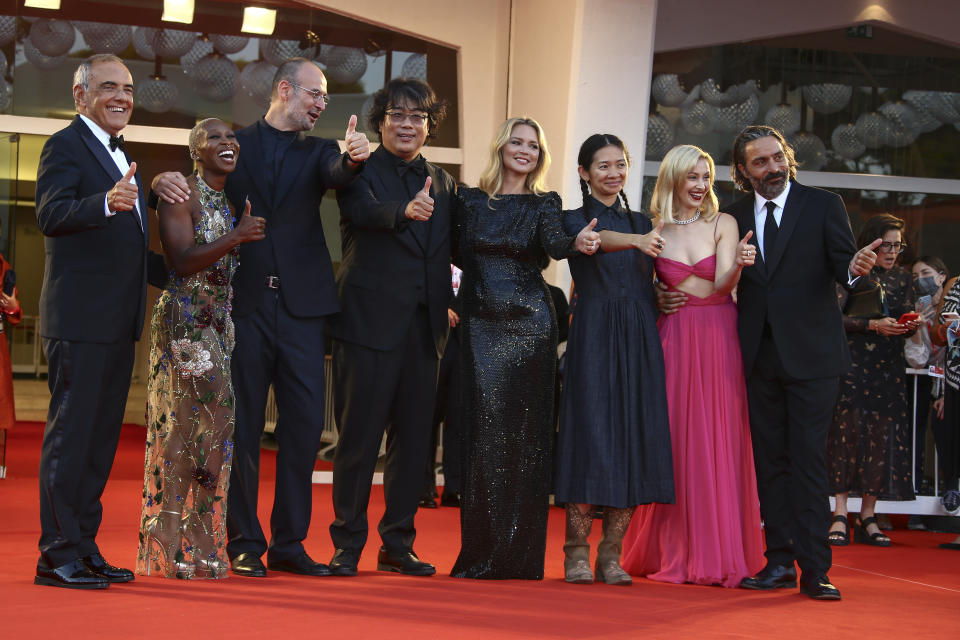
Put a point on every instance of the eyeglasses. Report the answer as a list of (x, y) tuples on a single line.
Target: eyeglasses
[(318, 96), (893, 247), (416, 119)]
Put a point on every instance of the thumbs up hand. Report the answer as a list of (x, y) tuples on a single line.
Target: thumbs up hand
[(123, 196), (865, 259), (357, 145), (652, 243), (588, 240), (746, 253), (249, 228), (421, 207)]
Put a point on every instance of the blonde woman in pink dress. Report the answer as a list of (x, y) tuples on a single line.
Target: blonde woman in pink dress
[(711, 535)]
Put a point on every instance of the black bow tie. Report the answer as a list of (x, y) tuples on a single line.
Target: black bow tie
[(418, 166), (117, 141)]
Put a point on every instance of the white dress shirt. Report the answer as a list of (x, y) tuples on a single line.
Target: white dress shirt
[(760, 214), (118, 158)]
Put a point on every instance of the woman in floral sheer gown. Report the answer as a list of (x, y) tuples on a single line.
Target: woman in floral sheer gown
[(189, 394)]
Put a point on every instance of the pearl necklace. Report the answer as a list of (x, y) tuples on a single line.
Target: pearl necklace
[(688, 221)]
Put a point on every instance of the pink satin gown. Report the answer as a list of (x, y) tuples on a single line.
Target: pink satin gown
[(712, 534)]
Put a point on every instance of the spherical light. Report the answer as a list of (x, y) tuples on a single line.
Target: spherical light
[(323, 50), (143, 42), (904, 123), (6, 95), (698, 118), (257, 81), (711, 94), (229, 44), (105, 38), (845, 142), (926, 121), (944, 106), (810, 151), (737, 116), (279, 51), (52, 37), (873, 130), (215, 77), (8, 30), (156, 94), (667, 91), (415, 66), (345, 64), (659, 136), (201, 49), (3, 64), (172, 43), (40, 61), (784, 118), (827, 97)]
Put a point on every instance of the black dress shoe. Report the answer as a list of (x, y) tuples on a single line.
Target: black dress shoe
[(772, 576), (819, 588), (248, 565), (344, 563), (427, 502), (301, 564), (73, 575), (450, 499), (405, 562), (98, 564)]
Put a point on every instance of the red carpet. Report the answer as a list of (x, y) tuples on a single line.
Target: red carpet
[(910, 590)]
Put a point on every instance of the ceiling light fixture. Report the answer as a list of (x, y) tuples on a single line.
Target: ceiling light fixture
[(259, 20), (178, 11), (42, 4)]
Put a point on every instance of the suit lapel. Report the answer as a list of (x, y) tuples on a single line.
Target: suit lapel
[(392, 186), (100, 153), (788, 222), (250, 146)]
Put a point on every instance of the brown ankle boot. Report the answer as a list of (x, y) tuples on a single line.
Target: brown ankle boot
[(576, 549), (615, 523)]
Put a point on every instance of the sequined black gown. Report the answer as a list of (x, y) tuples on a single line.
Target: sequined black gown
[(508, 366)]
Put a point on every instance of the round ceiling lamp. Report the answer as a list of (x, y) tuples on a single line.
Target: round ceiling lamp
[(201, 49), (172, 43), (735, 94), (277, 52), (143, 42), (8, 30), (845, 142), (52, 38), (926, 121), (229, 44), (873, 130), (215, 77), (698, 118), (659, 136), (256, 79), (346, 64), (904, 123), (667, 90), (810, 151), (784, 118), (156, 94), (105, 38), (737, 116), (415, 66), (40, 61), (827, 97)]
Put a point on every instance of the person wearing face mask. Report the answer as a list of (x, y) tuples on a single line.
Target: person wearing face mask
[(929, 274), (868, 445), (613, 447)]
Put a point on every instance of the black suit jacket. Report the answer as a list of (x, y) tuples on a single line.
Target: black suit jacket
[(295, 244), (94, 281), (386, 272), (794, 290)]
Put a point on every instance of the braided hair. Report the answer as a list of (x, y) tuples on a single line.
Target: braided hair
[(589, 149)]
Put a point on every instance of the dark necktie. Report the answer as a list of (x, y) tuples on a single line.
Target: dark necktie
[(770, 230), (116, 142)]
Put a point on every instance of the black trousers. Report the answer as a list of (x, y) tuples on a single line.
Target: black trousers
[(946, 433), (789, 421), (88, 386), (275, 347), (447, 411), (376, 392)]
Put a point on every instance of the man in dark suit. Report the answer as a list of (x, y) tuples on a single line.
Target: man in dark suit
[(283, 290), (92, 212), (394, 289), (794, 350)]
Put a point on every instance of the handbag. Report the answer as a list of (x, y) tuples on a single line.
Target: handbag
[(865, 300)]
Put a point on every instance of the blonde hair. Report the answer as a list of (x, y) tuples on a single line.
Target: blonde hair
[(492, 177), (679, 162)]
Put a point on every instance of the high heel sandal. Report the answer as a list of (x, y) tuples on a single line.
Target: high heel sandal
[(837, 538), (877, 539), (170, 561), (207, 564)]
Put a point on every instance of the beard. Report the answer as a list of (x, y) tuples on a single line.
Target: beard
[(771, 185)]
